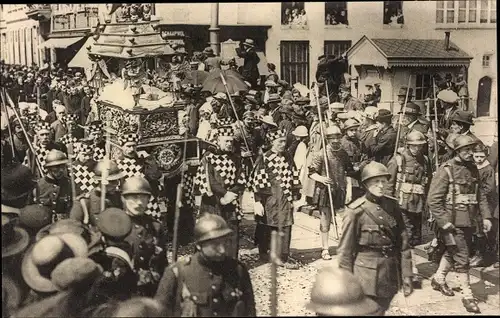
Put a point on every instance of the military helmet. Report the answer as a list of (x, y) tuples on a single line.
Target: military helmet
[(209, 227), (416, 138), (351, 123), (371, 112), (114, 171), (136, 185), (463, 141), (344, 298), (55, 158), (333, 130), (372, 170)]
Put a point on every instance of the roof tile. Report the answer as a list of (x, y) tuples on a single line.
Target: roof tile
[(405, 48)]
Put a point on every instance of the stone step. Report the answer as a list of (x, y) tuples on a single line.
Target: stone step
[(489, 274)]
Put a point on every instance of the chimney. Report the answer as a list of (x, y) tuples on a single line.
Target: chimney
[(447, 40)]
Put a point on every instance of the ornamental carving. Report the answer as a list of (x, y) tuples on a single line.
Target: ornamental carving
[(120, 121), (159, 124), (168, 156)]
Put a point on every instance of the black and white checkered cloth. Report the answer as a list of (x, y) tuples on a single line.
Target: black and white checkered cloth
[(98, 154), (153, 208), (188, 195), (41, 153), (84, 178), (68, 139), (224, 166), (130, 167), (278, 167)]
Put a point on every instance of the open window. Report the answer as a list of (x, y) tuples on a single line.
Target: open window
[(393, 13), (293, 13), (336, 13)]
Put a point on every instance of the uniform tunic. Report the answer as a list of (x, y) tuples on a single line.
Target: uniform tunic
[(196, 287), (56, 195), (367, 250), (382, 148), (93, 205)]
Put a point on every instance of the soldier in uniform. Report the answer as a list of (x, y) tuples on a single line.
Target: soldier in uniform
[(410, 173), (147, 241), (54, 189), (276, 185), (459, 206), (374, 243), (352, 146), (88, 206), (210, 282), (132, 164), (339, 167), (344, 298), (367, 128), (19, 139), (381, 147), (220, 180)]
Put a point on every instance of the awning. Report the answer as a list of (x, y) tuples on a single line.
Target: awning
[(60, 43), (81, 59)]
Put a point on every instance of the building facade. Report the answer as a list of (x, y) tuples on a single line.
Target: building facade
[(293, 42), (20, 36)]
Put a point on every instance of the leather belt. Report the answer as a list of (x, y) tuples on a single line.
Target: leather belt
[(412, 188), (386, 251), (466, 199)]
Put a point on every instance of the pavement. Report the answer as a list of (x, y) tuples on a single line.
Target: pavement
[(295, 285)]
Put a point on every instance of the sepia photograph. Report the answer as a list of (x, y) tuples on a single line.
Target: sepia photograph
[(205, 159)]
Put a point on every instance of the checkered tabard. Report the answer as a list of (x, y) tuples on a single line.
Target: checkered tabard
[(33, 119), (41, 154), (188, 190), (153, 208), (130, 167), (98, 154), (201, 181), (84, 178), (129, 138), (224, 166), (95, 127), (273, 135)]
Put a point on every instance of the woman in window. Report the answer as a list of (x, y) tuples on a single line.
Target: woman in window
[(287, 18), (302, 17)]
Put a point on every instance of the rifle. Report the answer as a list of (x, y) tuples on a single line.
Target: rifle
[(178, 202), (325, 158), (401, 116), (107, 163), (434, 124)]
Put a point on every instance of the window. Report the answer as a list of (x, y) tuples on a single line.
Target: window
[(393, 13), (336, 13), (293, 13), (466, 12), (336, 48), (295, 61), (486, 60), (422, 86)]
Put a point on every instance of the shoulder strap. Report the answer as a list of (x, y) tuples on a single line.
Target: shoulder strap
[(382, 225), (448, 170)]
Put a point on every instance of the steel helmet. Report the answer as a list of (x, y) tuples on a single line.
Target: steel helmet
[(209, 227), (351, 123), (300, 131), (333, 130), (343, 298), (374, 169), (415, 137), (450, 139), (55, 158), (371, 112), (136, 185), (463, 141), (114, 171)]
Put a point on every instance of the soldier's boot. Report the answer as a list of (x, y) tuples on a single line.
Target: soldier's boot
[(438, 281), (468, 300)]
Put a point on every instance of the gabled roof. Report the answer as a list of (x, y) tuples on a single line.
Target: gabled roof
[(416, 52)]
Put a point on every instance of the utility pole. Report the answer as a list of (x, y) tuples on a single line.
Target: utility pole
[(214, 29)]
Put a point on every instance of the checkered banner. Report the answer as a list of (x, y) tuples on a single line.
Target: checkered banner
[(130, 167), (41, 153), (188, 190), (84, 178), (278, 167)]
